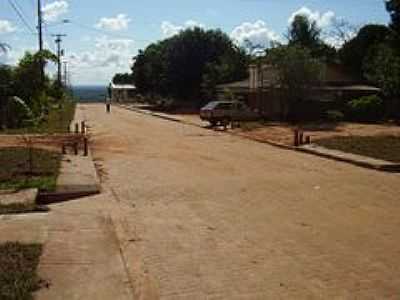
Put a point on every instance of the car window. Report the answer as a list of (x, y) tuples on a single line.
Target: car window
[(224, 106)]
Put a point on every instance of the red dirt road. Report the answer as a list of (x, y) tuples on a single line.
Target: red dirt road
[(214, 216)]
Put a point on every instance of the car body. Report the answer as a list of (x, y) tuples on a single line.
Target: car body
[(224, 112)]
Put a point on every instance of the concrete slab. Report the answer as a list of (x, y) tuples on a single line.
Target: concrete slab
[(355, 159), (26, 197), (24, 228), (81, 258), (77, 174)]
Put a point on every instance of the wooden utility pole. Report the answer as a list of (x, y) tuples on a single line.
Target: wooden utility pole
[(65, 73), (40, 23)]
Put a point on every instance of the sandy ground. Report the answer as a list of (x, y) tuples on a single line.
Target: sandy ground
[(214, 216), (283, 133)]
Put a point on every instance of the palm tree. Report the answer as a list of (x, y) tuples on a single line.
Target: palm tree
[(4, 47)]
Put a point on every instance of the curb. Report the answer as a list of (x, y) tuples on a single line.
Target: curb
[(57, 197), (384, 167)]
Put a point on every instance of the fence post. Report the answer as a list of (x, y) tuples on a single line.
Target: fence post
[(85, 147), (76, 128), (296, 137), (301, 138), (76, 148), (83, 128)]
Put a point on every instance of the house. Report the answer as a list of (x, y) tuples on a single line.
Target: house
[(122, 92), (261, 91)]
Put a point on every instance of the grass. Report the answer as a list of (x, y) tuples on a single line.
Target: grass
[(379, 147), (15, 171), (18, 264), (57, 120)]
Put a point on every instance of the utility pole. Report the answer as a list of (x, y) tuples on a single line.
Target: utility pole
[(40, 22), (65, 74), (59, 53)]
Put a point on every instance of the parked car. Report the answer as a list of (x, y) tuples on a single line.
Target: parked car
[(224, 112)]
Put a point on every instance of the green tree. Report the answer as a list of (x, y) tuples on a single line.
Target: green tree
[(382, 67), (4, 47), (124, 78), (183, 65), (27, 83), (298, 73), (393, 7), (6, 79), (353, 53), (305, 33)]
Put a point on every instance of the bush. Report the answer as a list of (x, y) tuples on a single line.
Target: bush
[(334, 116), (366, 109)]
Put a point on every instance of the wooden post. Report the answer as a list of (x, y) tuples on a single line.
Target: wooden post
[(301, 138), (76, 148), (83, 128), (76, 128), (85, 146), (296, 137)]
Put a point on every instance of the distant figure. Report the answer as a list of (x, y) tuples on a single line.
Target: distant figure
[(108, 105)]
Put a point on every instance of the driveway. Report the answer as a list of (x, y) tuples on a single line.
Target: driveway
[(214, 216)]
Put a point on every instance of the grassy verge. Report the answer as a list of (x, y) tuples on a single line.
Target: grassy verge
[(18, 264), (380, 147), (16, 172), (56, 121)]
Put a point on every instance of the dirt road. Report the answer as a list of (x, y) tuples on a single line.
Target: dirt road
[(213, 216)]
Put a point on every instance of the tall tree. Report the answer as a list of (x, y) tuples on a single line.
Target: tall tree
[(4, 47), (305, 33), (122, 78), (298, 73), (353, 53), (178, 66), (393, 7)]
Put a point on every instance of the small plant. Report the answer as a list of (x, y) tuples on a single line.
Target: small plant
[(366, 109)]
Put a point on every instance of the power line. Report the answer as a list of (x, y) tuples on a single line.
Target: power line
[(21, 16)]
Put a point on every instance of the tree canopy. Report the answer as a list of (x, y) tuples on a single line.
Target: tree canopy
[(305, 33), (124, 78), (181, 65), (354, 52), (393, 7)]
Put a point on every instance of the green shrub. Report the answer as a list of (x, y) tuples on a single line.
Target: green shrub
[(334, 116), (366, 109)]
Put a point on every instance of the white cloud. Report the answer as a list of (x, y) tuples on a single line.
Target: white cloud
[(323, 20), (169, 29), (257, 33), (109, 56), (120, 22), (107, 53), (6, 26), (52, 11)]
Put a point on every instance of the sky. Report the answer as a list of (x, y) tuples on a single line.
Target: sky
[(103, 36)]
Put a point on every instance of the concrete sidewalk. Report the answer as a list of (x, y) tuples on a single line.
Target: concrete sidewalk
[(81, 258)]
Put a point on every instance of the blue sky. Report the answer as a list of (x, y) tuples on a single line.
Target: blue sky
[(102, 36)]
